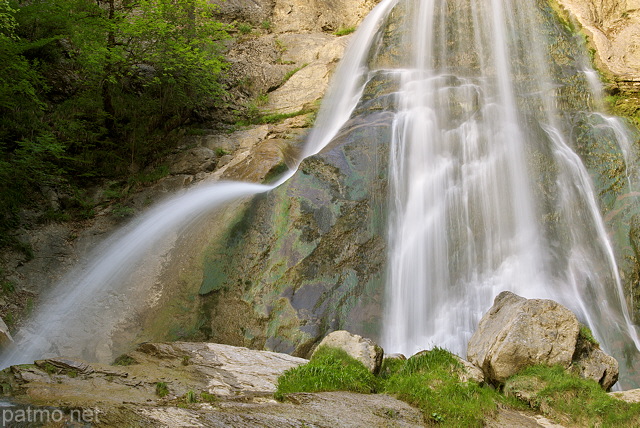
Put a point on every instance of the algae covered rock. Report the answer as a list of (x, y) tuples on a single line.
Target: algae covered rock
[(360, 348)]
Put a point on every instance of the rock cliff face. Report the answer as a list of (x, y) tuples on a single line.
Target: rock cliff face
[(613, 29), (281, 62)]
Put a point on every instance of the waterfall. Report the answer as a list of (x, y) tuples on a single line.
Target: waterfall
[(486, 192), (86, 308)]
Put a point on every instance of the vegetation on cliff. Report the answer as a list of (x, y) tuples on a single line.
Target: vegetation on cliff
[(94, 89)]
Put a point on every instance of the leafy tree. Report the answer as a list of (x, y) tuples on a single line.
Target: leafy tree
[(92, 88)]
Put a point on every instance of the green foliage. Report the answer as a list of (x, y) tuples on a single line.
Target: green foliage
[(266, 25), (330, 369), (121, 211), (8, 319), (161, 389), (262, 99), (124, 360), (191, 397), (430, 381), (8, 287), (208, 398), (151, 177), (244, 28), (254, 117), (344, 31), (558, 393), (50, 368), (94, 88), (586, 334)]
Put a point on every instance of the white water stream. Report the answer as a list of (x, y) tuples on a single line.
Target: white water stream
[(465, 216), (84, 309)]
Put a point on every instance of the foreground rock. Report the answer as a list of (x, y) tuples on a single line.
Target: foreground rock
[(228, 386), (360, 348), (517, 333)]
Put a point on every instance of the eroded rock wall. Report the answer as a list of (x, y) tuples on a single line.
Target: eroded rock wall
[(613, 30)]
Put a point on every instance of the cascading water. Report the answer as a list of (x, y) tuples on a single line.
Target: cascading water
[(86, 308), (487, 195)]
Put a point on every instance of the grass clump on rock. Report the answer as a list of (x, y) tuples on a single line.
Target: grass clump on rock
[(428, 380), (330, 369), (570, 399), (431, 381)]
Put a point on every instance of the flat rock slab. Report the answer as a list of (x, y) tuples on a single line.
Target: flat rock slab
[(325, 409)]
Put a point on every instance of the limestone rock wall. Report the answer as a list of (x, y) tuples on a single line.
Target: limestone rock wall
[(613, 29)]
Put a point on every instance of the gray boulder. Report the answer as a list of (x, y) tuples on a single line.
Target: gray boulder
[(360, 348), (517, 333)]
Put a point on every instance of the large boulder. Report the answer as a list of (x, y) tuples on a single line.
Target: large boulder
[(517, 332), (360, 348)]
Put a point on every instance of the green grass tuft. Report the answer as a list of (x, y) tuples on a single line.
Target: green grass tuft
[(586, 334), (209, 398), (190, 397), (244, 28), (330, 369), (124, 360), (344, 31), (562, 395), (161, 389), (429, 381)]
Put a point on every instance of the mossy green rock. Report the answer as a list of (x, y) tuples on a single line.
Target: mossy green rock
[(309, 256)]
